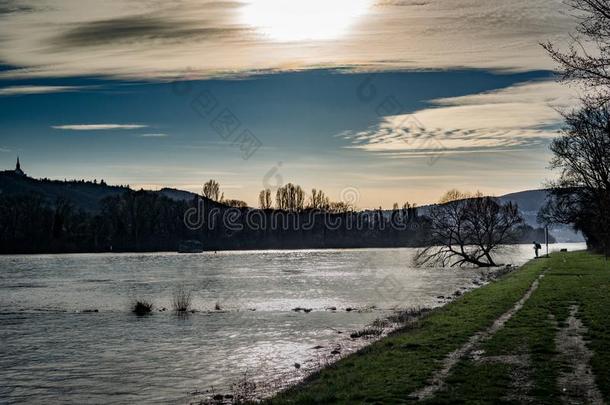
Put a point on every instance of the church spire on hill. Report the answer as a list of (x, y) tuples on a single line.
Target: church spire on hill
[(18, 168)]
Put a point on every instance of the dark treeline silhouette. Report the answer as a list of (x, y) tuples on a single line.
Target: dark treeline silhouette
[(148, 221), (128, 220), (132, 221)]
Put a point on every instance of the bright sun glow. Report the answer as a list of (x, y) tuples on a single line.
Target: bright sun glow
[(284, 20)]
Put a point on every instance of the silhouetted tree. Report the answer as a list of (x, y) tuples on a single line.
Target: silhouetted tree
[(318, 200), (264, 199), (290, 198), (211, 190), (468, 229), (581, 195), (340, 207), (588, 56), (395, 216)]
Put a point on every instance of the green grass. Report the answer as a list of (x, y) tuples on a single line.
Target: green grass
[(392, 368)]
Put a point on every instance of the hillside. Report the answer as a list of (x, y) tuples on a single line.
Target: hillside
[(529, 203), (84, 195), (177, 195)]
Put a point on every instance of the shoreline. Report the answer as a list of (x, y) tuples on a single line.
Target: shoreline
[(471, 349), (244, 250), (401, 320)]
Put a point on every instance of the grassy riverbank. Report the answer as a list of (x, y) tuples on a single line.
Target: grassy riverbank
[(389, 371)]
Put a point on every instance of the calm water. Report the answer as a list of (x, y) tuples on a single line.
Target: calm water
[(52, 350)]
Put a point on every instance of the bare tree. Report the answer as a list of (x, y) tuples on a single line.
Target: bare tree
[(318, 200), (264, 199), (581, 195), (588, 56), (340, 207), (468, 229), (409, 211), (395, 216), (290, 198), (211, 190)]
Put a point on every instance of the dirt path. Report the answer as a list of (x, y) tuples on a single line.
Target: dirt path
[(438, 379), (520, 376), (577, 383)]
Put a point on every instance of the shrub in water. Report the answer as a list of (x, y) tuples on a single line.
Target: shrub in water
[(142, 307), (181, 301)]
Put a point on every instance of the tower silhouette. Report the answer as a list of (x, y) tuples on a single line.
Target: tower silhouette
[(18, 168)]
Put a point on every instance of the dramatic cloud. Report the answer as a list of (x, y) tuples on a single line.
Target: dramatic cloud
[(97, 127), (139, 29), (198, 39), (520, 116), (151, 40), (24, 90)]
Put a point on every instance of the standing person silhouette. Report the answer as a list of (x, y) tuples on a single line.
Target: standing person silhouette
[(537, 247)]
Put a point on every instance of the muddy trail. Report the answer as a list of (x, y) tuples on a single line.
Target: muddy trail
[(471, 347)]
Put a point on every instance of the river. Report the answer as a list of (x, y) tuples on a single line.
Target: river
[(57, 348)]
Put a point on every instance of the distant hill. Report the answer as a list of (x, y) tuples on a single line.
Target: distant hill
[(177, 195), (85, 195), (529, 203)]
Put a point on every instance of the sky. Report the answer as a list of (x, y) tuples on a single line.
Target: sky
[(374, 102)]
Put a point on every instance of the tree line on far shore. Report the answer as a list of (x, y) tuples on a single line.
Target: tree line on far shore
[(150, 221)]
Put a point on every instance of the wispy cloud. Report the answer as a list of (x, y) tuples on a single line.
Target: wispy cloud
[(521, 116), (11, 7), (26, 90), (140, 28), (97, 127), (4, 150), (159, 135)]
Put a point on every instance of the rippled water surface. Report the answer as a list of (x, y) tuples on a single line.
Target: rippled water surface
[(55, 349)]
